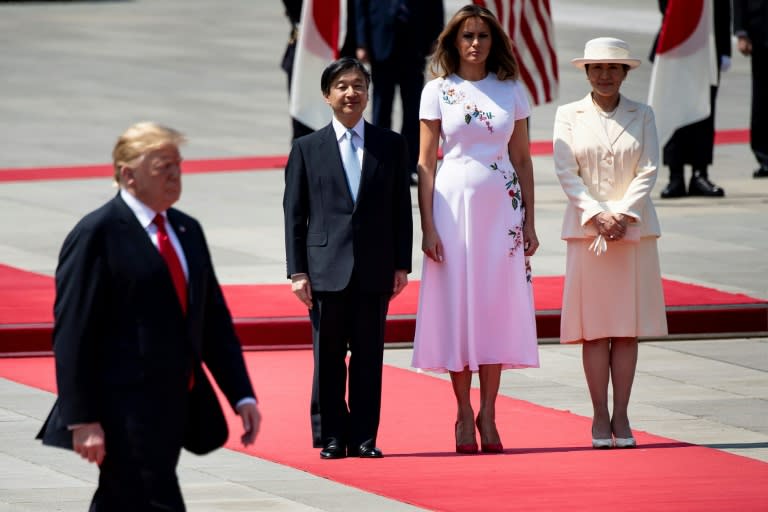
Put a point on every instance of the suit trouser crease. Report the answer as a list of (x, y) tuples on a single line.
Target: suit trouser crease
[(759, 113), (347, 320), (693, 144), (405, 69)]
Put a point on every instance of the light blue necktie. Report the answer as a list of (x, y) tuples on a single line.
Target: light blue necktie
[(351, 163)]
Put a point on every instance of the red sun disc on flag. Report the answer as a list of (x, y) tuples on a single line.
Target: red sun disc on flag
[(680, 22), (326, 17)]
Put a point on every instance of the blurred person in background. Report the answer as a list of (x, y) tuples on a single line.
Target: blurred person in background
[(750, 26), (395, 37), (693, 145)]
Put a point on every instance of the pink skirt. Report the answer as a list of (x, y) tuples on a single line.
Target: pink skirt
[(616, 294)]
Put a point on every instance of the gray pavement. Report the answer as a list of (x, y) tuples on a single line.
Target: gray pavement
[(74, 75)]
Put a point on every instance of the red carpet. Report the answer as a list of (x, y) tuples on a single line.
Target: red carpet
[(547, 466), (252, 163), (268, 315)]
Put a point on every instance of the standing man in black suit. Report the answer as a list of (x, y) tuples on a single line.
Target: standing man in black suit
[(348, 238), (750, 25), (396, 36), (138, 310)]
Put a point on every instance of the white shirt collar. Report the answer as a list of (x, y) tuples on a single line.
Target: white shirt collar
[(144, 213), (340, 129)]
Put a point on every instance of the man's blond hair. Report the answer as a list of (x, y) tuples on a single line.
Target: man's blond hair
[(140, 139)]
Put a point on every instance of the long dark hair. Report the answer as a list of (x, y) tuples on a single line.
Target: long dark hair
[(501, 60)]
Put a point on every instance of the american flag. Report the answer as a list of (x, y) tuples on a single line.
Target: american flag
[(529, 25)]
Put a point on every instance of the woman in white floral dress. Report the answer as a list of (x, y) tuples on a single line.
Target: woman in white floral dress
[(476, 310)]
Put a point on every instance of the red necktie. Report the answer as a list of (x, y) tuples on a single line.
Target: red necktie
[(172, 260)]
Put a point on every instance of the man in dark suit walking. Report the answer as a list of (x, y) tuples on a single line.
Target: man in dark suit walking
[(348, 237), (750, 25), (396, 36), (138, 310)]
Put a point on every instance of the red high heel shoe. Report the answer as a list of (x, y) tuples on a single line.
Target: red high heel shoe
[(467, 448), (488, 447)]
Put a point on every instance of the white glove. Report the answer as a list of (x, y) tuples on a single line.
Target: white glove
[(725, 63), (598, 245)]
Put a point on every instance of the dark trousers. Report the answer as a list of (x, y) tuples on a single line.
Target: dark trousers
[(405, 69), (759, 116), (693, 144), (124, 488), (298, 129), (128, 484), (143, 447), (349, 319)]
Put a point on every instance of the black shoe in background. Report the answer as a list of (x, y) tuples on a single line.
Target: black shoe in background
[(675, 188), (701, 186), (762, 172)]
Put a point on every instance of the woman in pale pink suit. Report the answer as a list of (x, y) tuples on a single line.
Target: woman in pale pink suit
[(606, 156), (476, 309)]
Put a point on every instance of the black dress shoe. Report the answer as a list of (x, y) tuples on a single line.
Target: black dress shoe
[(762, 172), (701, 186), (333, 449), (366, 451), (675, 188)]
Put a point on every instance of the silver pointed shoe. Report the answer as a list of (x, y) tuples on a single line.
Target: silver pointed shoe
[(602, 444), (625, 442)]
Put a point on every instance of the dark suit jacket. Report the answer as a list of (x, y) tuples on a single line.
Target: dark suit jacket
[(326, 233), (124, 349), (376, 21), (751, 16)]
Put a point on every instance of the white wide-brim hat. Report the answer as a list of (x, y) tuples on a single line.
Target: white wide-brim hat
[(608, 50)]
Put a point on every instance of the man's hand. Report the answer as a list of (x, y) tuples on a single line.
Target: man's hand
[(88, 441), (302, 289), (249, 413), (401, 281), (744, 45)]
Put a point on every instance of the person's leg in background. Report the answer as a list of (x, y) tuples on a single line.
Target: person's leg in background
[(759, 115)]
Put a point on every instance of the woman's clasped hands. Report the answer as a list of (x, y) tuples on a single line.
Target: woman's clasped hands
[(613, 226)]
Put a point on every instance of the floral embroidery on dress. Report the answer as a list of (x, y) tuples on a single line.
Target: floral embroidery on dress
[(453, 95), (516, 234), (471, 111), (512, 185)]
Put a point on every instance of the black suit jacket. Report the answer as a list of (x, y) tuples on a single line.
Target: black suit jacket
[(751, 16), (376, 19), (124, 348), (327, 235)]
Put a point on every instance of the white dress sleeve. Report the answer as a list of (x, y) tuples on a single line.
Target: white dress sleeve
[(522, 106), (429, 109)]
